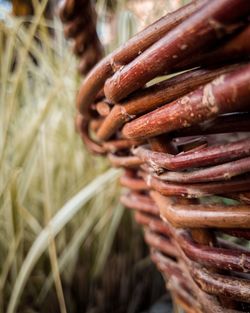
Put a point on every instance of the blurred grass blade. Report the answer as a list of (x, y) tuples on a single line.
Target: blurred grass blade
[(26, 142), (48, 215), (64, 215), (71, 249), (18, 75), (105, 248)]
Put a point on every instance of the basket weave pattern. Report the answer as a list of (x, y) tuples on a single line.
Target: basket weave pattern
[(184, 144), (79, 18)]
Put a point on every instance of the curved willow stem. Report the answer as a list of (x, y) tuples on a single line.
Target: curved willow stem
[(201, 215), (205, 27), (227, 93), (123, 55), (212, 155), (155, 96), (216, 173), (79, 18)]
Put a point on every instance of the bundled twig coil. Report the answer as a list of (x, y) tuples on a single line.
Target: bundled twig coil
[(185, 146), (79, 18)]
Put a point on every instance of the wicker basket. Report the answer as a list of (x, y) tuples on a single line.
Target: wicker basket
[(184, 144)]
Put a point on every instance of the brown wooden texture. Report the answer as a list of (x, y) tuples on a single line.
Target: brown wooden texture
[(184, 144), (210, 24), (123, 55), (227, 93)]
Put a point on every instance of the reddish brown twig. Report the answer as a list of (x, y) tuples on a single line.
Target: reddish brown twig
[(124, 161), (212, 155), (216, 173), (197, 216), (79, 18), (238, 48), (235, 122), (209, 25), (197, 190), (123, 55), (155, 96), (83, 129), (133, 183), (228, 93), (231, 287)]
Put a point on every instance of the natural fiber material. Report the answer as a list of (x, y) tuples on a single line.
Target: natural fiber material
[(79, 18), (185, 146)]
